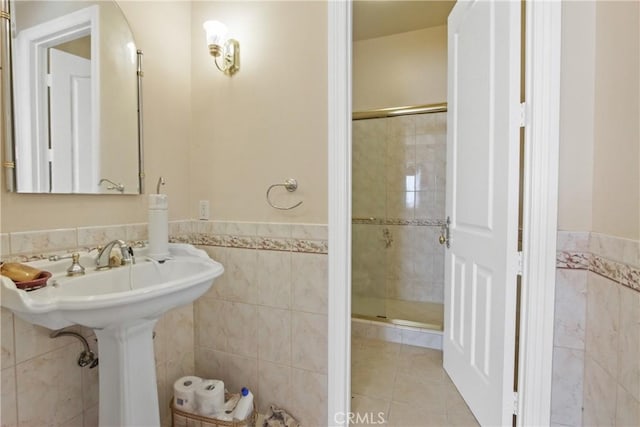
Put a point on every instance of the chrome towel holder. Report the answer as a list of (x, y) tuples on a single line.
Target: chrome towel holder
[(290, 185)]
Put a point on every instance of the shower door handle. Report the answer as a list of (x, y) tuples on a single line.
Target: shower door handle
[(444, 233)]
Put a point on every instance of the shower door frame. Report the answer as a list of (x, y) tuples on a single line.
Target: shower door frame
[(540, 192), (382, 313)]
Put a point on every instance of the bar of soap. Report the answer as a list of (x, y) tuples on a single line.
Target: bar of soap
[(19, 272)]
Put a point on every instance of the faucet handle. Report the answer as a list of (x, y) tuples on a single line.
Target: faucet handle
[(128, 256), (75, 269), (97, 248)]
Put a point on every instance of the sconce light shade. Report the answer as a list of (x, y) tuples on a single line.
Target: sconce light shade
[(216, 32), (219, 44)]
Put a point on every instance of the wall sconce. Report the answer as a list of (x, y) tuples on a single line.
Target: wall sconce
[(219, 45)]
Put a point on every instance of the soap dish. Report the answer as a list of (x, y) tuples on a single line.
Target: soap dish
[(31, 285)]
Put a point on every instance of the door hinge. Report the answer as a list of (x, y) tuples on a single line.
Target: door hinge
[(50, 155), (515, 403), (523, 114), (520, 263), (49, 79)]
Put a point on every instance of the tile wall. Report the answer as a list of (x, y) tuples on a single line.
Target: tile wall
[(262, 325), (596, 376), (399, 168)]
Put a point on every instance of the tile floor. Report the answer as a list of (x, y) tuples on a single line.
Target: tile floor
[(406, 383)]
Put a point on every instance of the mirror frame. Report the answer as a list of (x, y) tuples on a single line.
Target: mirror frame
[(7, 119)]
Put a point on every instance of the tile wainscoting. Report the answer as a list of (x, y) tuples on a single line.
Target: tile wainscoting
[(262, 325), (596, 375)]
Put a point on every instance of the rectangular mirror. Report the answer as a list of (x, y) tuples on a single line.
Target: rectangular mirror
[(76, 93)]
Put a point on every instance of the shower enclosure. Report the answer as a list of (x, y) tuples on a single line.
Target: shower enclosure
[(398, 172)]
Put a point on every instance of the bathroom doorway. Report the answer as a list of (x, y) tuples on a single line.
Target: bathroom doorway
[(399, 137), (399, 169), (540, 193)]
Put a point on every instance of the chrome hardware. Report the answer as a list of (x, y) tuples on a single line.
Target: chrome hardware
[(103, 258), (140, 75), (59, 257), (160, 182), (87, 357), (138, 244), (290, 185), (444, 233), (114, 185), (388, 238), (75, 269)]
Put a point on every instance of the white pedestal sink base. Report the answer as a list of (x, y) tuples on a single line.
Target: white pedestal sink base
[(128, 390)]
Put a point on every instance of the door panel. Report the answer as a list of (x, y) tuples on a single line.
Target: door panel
[(72, 146), (482, 202)]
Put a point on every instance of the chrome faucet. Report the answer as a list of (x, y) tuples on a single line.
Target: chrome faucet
[(102, 261), (75, 269), (118, 186)]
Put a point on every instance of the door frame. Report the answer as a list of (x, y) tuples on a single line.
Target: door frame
[(540, 206), (31, 109)]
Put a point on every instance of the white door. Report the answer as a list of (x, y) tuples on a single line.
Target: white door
[(72, 148), (482, 202)]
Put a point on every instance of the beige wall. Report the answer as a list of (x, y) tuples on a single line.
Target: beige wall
[(401, 69), (266, 123), (166, 118), (616, 172), (599, 181), (80, 47), (575, 181), (599, 191)]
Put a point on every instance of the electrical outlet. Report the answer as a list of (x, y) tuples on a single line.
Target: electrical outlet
[(203, 210)]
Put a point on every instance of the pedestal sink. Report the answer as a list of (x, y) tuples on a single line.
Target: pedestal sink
[(122, 306)]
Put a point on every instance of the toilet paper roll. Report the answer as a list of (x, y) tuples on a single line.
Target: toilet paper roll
[(210, 397), (184, 393)]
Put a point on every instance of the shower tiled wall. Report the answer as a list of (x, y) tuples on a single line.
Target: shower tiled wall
[(262, 325), (596, 359), (399, 169)]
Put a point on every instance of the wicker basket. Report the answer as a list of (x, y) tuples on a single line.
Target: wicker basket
[(181, 418)]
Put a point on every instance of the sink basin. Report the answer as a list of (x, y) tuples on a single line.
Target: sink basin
[(100, 299), (122, 305)]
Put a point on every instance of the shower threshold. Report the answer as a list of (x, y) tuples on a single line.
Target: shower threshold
[(400, 322), (414, 314)]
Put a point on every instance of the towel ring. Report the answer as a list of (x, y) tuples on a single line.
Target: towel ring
[(291, 185)]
